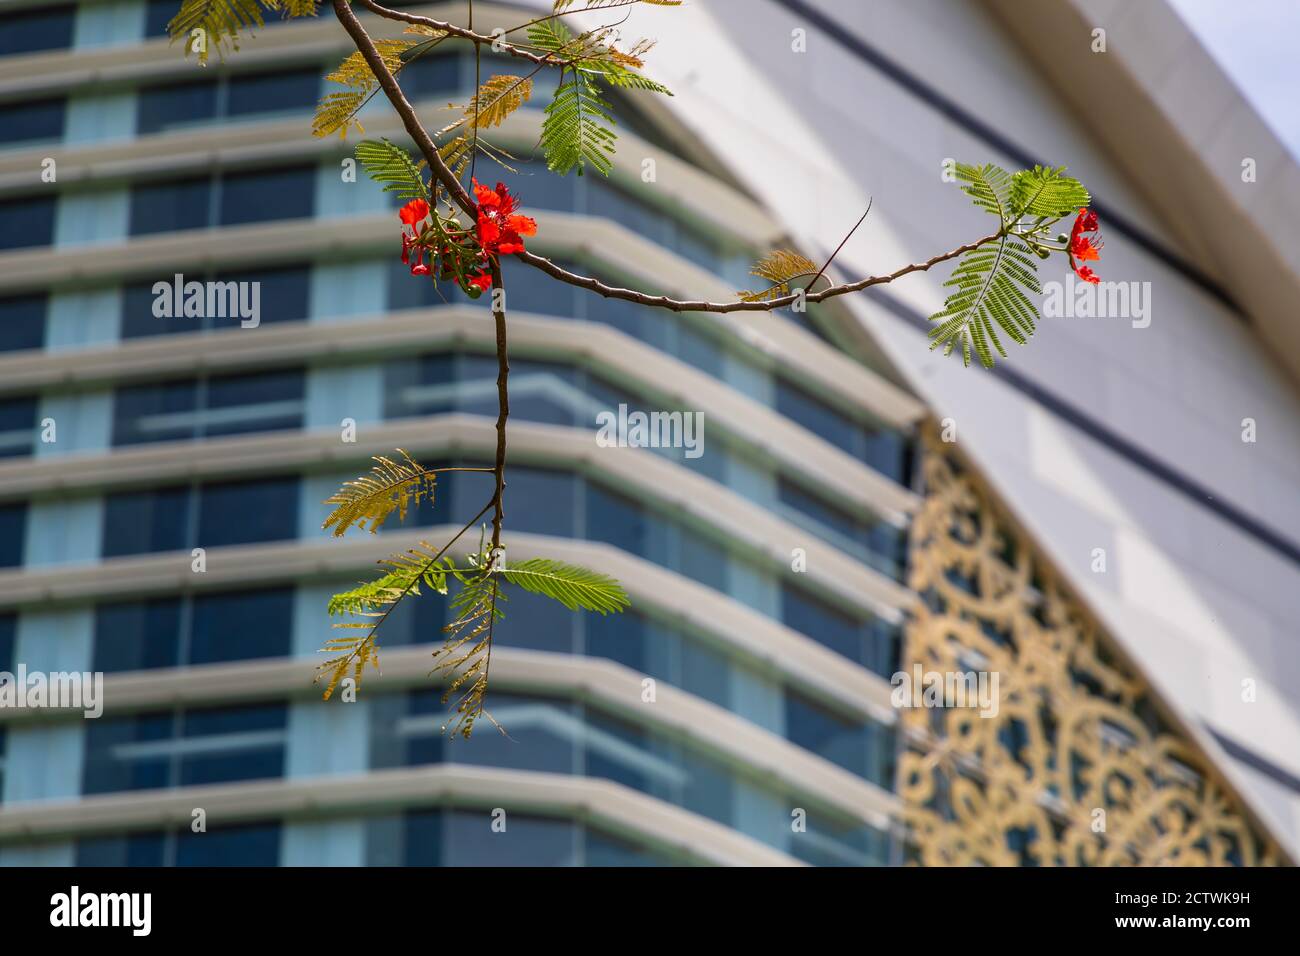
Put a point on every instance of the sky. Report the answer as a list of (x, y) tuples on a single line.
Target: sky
[(1255, 42)]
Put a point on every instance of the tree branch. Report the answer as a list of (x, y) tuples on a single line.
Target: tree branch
[(414, 128), (739, 305), (503, 404), (497, 44)]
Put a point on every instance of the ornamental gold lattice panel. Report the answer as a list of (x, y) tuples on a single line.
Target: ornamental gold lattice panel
[(1076, 730)]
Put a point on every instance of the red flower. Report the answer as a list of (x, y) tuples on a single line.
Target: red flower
[(481, 281), (412, 215), (1085, 248), (417, 210), (500, 230)]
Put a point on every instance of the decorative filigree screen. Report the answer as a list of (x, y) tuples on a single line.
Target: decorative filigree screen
[(1076, 767)]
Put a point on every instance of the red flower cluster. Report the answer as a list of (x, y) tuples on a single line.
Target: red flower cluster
[(413, 215), (500, 231), (1085, 248)]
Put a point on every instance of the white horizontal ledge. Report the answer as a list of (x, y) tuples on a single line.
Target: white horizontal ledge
[(600, 802), (657, 376), (770, 338), (640, 473), (745, 747), (666, 595)]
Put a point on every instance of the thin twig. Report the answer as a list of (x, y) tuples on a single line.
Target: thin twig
[(828, 262), (739, 305)]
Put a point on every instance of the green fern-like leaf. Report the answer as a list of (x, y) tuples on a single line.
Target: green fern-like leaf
[(1043, 191), (989, 187), (390, 486), (576, 130), (989, 283), (220, 22), (572, 586), (393, 167), (406, 572), (780, 268)]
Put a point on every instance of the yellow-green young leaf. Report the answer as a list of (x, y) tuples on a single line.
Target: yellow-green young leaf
[(390, 486), (336, 112), (393, 167), (206, 25), (354, 71), (294, 8), (496, 99), (780, 268), (572, 586)]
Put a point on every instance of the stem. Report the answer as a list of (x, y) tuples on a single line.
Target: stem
[(414, 128), (740, 305), (451, 28), (503, 407)]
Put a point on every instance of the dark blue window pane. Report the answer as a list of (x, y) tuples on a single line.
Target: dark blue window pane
[(137, 635), (26, 222), (273, 92), (157, 15), (244, 512), (542, 502), (28, 31), (257, 402), (8, 636), (283, 293), (241, 626), (259, 755), (167, 207), (31, 122), (13, 521), (431, 75), (616, 520), (422, 838), (827, 625), (531, 290), (816, 416), (138, 318), (828, 734), (141, 522), (536, 623), (22, 323), (175, 104), (620, 637), (249, 845), (268, 195), (17, 426), (136, 849), (527, 841), (602, 850), (148, 413), (113, 762)]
